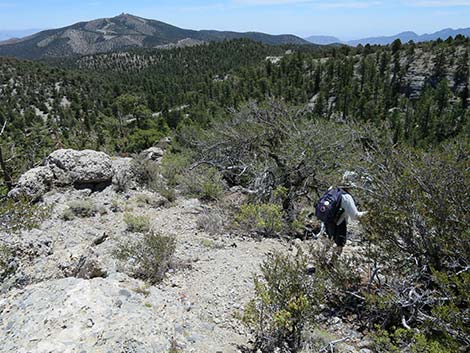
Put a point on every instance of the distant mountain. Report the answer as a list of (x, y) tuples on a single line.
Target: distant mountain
[(323, 40), (9, 34), (445, 33), (384, 40), (407, 36), (118, 33)]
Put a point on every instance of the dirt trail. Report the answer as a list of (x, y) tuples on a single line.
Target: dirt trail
[(219, 283)]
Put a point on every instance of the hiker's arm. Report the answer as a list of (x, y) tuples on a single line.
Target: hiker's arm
[(350, 209)]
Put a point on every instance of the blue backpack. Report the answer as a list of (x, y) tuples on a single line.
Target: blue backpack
[(329, 205)]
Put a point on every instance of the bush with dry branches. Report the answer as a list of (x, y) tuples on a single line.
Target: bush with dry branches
[(266, 147), (419, 225)]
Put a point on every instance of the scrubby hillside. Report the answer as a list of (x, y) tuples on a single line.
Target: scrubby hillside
[(181, 185), (70, 284)]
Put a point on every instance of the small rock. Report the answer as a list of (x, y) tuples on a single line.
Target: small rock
[(207, 326), (194, 338), (89, 266), (152, 154), (125, 293), (124, 177), (346, 348), (164, 143), (335, 320), (364, 343), (101, 239)]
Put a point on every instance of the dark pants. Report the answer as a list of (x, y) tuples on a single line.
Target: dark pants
[(337, 232)]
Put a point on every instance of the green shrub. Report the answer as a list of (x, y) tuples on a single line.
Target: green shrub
[(116, 206), (418, 207), (6, 254), (149, 200), (317, 340), (173, 165), (279, 153), (152, 175), (144, 290), (280, 193), (286, 301), (167, 192), (140, 139), (204, 183), (23, 214), (264, 219), (80, 208), (134, 223), (305, 223), (211, 222), (122, 181), (174, 348), (68, 215), (340, 277), (152, 255), (396, 340), (147, 172), (419, 227)]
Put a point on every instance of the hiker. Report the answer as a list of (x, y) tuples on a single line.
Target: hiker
[(335, 208)]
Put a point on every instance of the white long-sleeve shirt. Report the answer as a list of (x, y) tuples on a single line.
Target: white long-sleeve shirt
[(350, 209)]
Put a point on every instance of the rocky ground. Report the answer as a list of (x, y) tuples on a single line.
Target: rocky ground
[(69, 293)]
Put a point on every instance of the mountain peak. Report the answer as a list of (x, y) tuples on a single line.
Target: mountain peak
[(126, 15), (119, 33)]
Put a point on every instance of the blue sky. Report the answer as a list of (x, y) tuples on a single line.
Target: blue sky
[(346, 19)]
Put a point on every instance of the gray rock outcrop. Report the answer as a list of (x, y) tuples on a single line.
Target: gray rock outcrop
[(33, 184), (85, 169), (80, 167), (63, 168)]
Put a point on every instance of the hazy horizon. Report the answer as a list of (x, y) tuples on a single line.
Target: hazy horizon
[(345, 19)]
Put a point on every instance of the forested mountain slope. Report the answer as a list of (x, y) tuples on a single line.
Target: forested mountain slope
[(123, 102), (119, 33)]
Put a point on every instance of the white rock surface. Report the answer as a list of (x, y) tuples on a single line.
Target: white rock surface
[(82, 167), (34, 183), (76, 315), (152, 154)]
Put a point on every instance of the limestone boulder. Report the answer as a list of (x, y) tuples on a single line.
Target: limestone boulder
[(80, 167), (152, 154), (33, 184)]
